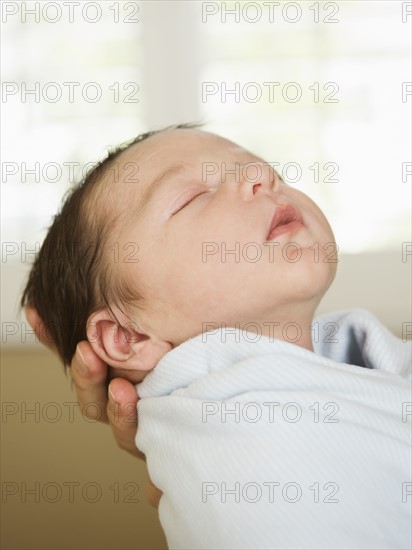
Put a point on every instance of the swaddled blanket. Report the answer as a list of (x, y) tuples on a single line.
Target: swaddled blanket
[(259, 443)]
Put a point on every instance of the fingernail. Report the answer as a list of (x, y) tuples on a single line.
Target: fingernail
[(111, 394), (82, 364)]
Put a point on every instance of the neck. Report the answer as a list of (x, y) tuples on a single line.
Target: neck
[(293, 326), (294, 332)]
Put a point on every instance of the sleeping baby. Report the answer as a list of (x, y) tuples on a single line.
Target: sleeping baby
[(185, 251)]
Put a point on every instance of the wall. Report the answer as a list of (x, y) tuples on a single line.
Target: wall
[(107, 508)]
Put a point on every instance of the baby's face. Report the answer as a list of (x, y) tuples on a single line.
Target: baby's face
[(203, 206)]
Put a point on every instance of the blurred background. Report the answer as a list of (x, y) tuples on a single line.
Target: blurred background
[(323, 89)]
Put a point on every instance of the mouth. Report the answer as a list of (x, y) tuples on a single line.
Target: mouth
[(286, 220)]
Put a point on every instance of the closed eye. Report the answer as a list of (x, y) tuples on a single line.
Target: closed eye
[(188, 202)]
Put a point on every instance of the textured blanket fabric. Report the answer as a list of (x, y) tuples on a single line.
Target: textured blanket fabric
[(259, 443)]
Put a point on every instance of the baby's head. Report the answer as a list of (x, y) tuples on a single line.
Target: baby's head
[(172, 235)]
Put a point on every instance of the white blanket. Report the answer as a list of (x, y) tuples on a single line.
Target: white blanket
[(259, 443)]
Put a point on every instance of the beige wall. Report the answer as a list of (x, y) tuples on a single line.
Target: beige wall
[(56, 454)]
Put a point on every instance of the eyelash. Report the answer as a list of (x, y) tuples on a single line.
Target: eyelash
[(198, 195), (188, 202)]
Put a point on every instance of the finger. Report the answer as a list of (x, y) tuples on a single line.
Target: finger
[(40, 330), (153, 494), (89, 374), (133, 376), (122, 414)]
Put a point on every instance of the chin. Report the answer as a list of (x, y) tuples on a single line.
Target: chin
[(322, 277), (312, 280)]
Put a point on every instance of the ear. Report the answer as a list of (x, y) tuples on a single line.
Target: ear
[(123, 347)]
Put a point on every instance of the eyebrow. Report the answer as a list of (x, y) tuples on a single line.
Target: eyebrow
[(155, 185)]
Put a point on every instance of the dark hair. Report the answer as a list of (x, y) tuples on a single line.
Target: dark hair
[(70, 277)]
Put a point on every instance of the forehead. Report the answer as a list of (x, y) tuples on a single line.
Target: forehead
[(178, 147)]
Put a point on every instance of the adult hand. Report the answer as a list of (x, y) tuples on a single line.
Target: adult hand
[(115, 403)]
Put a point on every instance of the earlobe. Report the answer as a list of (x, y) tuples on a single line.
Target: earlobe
[(123, 347)]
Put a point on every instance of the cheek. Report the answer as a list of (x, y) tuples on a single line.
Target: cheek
[(315, 218), (202, 277)]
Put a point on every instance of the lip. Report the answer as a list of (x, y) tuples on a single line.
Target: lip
[(285, 220)]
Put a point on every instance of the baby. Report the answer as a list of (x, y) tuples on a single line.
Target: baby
[(185, 251)]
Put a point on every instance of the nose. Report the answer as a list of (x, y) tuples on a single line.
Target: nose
[(257, 178)]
